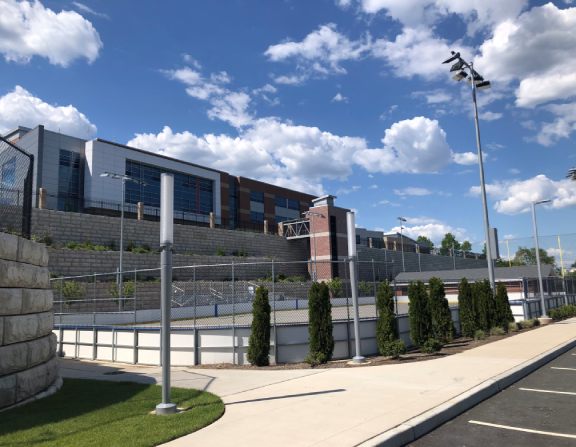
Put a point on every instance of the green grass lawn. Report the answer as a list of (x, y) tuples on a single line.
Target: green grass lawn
[(98, 413)]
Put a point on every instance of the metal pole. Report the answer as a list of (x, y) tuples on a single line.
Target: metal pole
[(120, 277), (535, 228), (508, 250), (562, 269), (454, 255), (274, 313), (358, 358), (482, 184), (166, 241), (402, 247)]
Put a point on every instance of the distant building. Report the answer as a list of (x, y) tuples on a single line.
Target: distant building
[(389, 241), (68, 169)]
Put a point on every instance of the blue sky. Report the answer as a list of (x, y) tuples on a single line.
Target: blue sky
[(347, 97)]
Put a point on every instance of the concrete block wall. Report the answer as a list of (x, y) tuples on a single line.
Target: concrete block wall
[(28, 364)]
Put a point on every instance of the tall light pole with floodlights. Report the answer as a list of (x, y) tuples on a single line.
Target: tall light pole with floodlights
[(124, 178), (536, 244), (313, 214), (402, 220), (478, 83)]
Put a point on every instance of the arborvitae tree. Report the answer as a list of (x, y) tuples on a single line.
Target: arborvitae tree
[(503, 313), (419, 313), (320, 324), (466, 309), (442, 327), (386, 328), (484, 305), (259, 342)]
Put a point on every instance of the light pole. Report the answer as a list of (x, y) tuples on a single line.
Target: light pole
[(313, 214), (535, 229), (401, 220), (572, 174), (477, 82), (123, 178)]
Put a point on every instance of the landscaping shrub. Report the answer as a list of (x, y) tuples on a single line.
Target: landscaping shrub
[(563, 312), (479, 334), (419, 313), (497, 330), (442, 327), (513, 327), (527, 324), (502, 312), (220, 251), (386, 329), (394, 348), (128, 288), (431, 346), (365, 288), (335, 287), (466, 309), (259, 342), (320, 324), (70, 290)]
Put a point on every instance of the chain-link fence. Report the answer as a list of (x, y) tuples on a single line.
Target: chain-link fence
[(557, 250), (16, 168), (218, 295)]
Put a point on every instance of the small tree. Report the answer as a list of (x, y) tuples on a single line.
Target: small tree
[(442, 327), (466, 309), (419, 313), (448, 244), (503, 314), (386, 329), (335, 287), (320, 324), (259, 342), (484, 305)]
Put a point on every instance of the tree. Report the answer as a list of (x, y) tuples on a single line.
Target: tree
[(259, 342), (441, 317), (419, 313), (502, 312), (448, 244), (320, 324), (527, 256), (466, 309), (484, 305), (466, 246), (423, 240), (386, 329)]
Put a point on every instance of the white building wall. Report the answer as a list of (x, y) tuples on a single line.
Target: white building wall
[(105, 157)]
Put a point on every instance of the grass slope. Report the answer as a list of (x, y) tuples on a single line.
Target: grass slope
[(98, 413)]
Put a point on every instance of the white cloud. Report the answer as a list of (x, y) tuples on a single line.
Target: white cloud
[(86, 9), (437, 96), (412, 191), (339, 97), (21, 108), (226, 105), (465, 158), (490, 116), (29, 29), (319, 54), (535, 49), (415, 145), (515, 196), (433, 229), (561, 127), (514, 171)]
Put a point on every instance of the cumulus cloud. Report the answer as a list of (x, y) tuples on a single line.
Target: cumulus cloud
[(561, 126), (226, 105), (515, 196), (467, 158), (29, 29), (320, 53), (339, 97), (433, 229), (414, 145), (21, 108), (87, 10), (412, 191), (438, 96)]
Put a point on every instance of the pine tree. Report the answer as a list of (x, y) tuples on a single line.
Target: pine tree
[(442, 327), (386, 328), (466, 309), (320, 324), (484, 305), (503, 313), (259, 342), (419, 313)]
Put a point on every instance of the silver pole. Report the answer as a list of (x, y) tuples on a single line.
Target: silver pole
[(121, 267), (166, 241), (535, 228), (482, 184), (358, 358), (402, 247)]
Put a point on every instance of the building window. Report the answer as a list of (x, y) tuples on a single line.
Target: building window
[(257, 196), (283, 202), (256, 217), (192, 194), (69, 185)]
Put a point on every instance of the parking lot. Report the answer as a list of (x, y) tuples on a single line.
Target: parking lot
[(536, 411)]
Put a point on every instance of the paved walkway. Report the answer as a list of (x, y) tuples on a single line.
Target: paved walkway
[(378, 405)]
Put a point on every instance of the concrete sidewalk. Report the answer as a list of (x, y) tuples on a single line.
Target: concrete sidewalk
[(374, 405)]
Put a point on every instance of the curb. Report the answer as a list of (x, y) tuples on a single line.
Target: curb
[(418, 426)]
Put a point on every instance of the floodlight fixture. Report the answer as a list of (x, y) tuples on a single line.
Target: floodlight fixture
[(457, 66), (460, 75), (572, 174), (453, 58), (483, 85)]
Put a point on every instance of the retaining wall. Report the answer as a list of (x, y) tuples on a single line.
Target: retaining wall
[(28, 365)]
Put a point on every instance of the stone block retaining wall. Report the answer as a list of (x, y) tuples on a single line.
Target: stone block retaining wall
[(28, 364)]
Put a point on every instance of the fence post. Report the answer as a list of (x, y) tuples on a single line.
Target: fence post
[(373, 278), (135, 297), (42, 199), (233, 316), (274, 313), (140, 211), (27, 202), (194, 292), (212, 220), (347, 285), (94, 301)]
